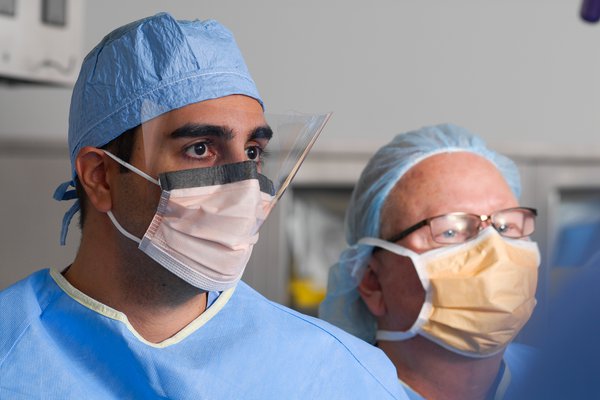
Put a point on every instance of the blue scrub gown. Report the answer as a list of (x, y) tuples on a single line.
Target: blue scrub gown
[(58, 343)]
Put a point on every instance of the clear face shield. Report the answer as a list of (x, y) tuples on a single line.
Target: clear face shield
[(207, 135), (221, 166)]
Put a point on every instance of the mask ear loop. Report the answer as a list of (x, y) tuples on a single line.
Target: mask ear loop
[(132, 168), (426, 308), (121, 229), (140, 173)]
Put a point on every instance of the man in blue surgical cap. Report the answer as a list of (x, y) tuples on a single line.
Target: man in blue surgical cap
[(166, 134), (441, 273)]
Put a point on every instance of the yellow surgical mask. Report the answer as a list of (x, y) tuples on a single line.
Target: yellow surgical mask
[(479, 294)]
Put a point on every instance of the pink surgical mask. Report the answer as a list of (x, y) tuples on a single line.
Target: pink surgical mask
[(206, 222)]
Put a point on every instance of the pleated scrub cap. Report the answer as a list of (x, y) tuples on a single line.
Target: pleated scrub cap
[(343, 306), (157, 60)]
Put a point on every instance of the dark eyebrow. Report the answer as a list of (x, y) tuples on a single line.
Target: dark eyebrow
[(262, 132), (197, 130)]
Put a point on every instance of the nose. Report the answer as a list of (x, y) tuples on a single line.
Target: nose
[(235, 158), (235, 152), (485, 222)]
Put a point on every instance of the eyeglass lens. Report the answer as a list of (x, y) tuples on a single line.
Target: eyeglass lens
[(458, 228)]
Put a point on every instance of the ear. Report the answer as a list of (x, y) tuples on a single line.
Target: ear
[(92, 169), (370, 290)]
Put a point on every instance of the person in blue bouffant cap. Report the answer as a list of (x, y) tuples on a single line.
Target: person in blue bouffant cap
[(439, 272), (167, 136)]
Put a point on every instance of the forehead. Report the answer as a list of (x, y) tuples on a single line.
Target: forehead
[(237, 112), (444, 183)]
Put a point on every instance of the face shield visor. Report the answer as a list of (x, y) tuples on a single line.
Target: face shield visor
[(221, 170)]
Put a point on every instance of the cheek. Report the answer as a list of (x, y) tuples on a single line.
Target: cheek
[(420, 241), (403, 293), (138, 202)]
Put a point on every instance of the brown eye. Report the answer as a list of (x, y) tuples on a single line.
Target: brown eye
[(253, 152), (200, 149), (197, 150)]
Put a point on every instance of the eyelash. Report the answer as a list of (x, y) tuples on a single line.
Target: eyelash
[(189, 147), (263, 153)]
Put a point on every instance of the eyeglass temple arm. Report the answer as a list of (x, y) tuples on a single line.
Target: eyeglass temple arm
[(408, 231)]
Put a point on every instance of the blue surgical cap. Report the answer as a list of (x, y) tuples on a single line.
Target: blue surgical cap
[(156, 60), (343, 306)]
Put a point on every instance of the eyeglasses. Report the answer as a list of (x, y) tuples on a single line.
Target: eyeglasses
[(460, 227)]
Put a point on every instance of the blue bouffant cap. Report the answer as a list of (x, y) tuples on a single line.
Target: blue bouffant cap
[(343, 306), (156, 60)]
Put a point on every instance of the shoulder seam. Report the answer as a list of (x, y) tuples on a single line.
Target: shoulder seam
[(283, 309), (24, 328)]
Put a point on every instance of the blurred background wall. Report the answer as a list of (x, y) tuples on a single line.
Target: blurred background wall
[(522, 74), (515, 71)]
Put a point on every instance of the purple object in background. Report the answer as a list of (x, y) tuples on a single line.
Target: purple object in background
[(590, 10)]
